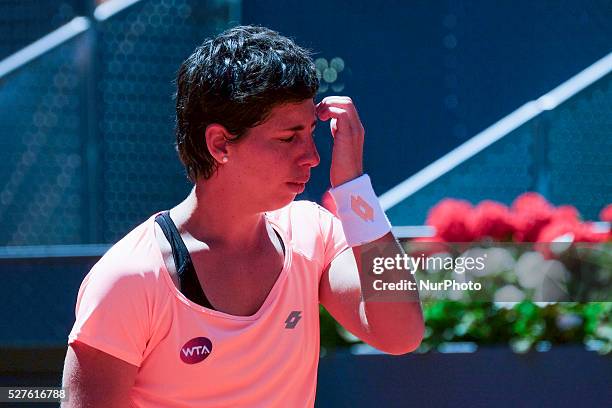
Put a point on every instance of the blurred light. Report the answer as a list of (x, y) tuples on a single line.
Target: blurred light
[(594, 345), (321, 64), (498, 260), (364, 350), (543, 346), (330, 75), (528, 269), (450, 41), (337, 63), (553, 286), (458, 347), (568, 321), (508, 294), (520, 346)]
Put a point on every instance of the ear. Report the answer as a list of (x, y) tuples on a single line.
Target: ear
[(216, 140)]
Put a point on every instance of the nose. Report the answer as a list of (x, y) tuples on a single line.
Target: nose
[(310, 156)]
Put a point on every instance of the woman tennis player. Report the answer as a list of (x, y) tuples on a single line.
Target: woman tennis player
[(215, 303)]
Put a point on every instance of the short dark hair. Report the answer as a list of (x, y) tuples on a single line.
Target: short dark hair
[(235, 79)]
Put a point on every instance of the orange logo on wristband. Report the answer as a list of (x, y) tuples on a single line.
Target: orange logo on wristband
[(362, 208)]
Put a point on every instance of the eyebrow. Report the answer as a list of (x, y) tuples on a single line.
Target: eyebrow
[(299, 127)]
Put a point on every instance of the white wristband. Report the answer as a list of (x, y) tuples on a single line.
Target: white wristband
[(362, 217)]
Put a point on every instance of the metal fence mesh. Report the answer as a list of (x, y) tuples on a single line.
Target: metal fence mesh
[(61, 135), (580, 146), (574, 167), (25, 21), (140, 51), (86, 154), (501, 172), (40, 150)]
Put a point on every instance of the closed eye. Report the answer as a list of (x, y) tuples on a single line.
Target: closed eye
[(288, 139)]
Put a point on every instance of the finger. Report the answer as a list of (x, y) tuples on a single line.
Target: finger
[(341, 102), (341, 118), (327, 112), (337, 101), (334, 99), (333, 126)]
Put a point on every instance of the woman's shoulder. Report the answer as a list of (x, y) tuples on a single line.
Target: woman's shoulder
[(135, 256)]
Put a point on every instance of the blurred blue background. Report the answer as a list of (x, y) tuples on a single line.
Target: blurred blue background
[(87, 126)]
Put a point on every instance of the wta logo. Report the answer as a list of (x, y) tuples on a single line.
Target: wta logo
[(196, 350)]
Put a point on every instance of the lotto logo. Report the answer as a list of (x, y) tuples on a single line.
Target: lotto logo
[(293, 319), (362, 208)]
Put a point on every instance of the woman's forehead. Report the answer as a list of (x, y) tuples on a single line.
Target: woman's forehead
[(291, 115)]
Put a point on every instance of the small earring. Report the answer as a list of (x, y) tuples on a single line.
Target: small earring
[(224, 159)]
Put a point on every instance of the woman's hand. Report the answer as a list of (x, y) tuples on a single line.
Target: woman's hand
[(348, 134)]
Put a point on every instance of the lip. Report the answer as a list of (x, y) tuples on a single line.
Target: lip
[(301, 181)]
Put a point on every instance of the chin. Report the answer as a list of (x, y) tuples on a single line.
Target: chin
[(262, 201), (279, 201)]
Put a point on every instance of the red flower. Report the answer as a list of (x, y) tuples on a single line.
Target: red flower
[(581, 232), (529, 201), (531, 213), (450, 218), (578, 233), (586, 233), (566, 219), (557, 229), (491, 219), (606, 213), (567, 213)]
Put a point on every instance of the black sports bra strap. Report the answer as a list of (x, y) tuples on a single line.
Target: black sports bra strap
[(188, 279), (181, 255)]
